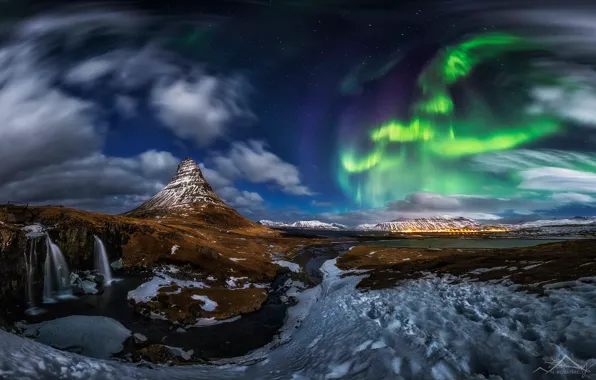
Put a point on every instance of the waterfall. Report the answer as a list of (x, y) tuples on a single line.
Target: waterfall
[(30, 267), (56, 274), (102, 264)]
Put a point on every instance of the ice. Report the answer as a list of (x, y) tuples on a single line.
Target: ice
[(202, 322), (209, 305), (98, 337), (237, 259), (485, 270), (291, 266), (146, 291), (34, 230), (174, 249), (430, 328)]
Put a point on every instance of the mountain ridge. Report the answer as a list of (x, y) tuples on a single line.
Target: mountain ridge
[(188, 195)]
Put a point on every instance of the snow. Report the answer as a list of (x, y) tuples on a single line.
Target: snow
[(286, 264), (231, 282), (485, 270), (305, 224), (430, 328), (559, 222), (146, 291), (365, 227), (202, 322), (93, 336), (433, 223), (237, 259), (187, 187), (34, 230), (209, 305), (174, 249)]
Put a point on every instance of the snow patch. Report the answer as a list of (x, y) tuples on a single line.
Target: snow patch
[(146, 291), (286, 264), (202, 322), (174, 249), (33, 230), (209, 305)]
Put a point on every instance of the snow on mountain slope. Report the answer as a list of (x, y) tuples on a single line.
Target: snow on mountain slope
[(428, 224), (577, 221), (188, 187), (271, 223), (366, 227), (304, 224)]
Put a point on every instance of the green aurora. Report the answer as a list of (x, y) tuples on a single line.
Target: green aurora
[(428, 152)]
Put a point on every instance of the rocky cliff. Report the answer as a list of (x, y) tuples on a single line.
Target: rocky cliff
[(13, 274)]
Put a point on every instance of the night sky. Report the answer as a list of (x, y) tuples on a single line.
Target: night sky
[(353, 112)]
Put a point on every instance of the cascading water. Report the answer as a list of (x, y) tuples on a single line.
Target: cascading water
[(56, 274), (30, 265), (102, 264)]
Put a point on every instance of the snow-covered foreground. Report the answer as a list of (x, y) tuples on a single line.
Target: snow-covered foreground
[(427, 329)]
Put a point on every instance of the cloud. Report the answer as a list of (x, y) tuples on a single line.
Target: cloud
[(126, 105), (241, 199), (558, 179), (320, 204), (200, 109), (245, 201), (253, 162), (39, 124), (96, 182), (51, 137), (573, 198), (89, 71), (425, 202), (524, 159), (573, 97)]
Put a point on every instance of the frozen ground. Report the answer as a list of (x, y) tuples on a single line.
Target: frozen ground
[(98, 337), (149, 289), (432, 328)]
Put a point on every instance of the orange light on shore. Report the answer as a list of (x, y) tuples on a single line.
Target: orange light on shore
[(455, 231)]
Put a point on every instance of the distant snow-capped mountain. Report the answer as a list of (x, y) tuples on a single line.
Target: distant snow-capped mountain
[(424, 224), (304, 224), (575, 221)]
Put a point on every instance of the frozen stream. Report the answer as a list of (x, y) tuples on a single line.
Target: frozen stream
[(428, 328)]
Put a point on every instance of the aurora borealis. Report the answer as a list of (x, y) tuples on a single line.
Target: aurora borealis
[(343, 111), (436, 139)]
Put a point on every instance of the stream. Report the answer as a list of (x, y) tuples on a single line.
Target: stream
[(433, 327)]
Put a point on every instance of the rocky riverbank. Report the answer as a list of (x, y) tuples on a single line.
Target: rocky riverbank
[(531, 267)]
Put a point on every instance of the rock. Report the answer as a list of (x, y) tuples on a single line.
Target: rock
[(179, 352), (187, 355), (74, 278), (99, 279), (88, 287), (180, 330), (117, 264), (155, 353), (139, 338)]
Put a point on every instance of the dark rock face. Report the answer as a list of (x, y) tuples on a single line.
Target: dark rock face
[(14, 250)]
